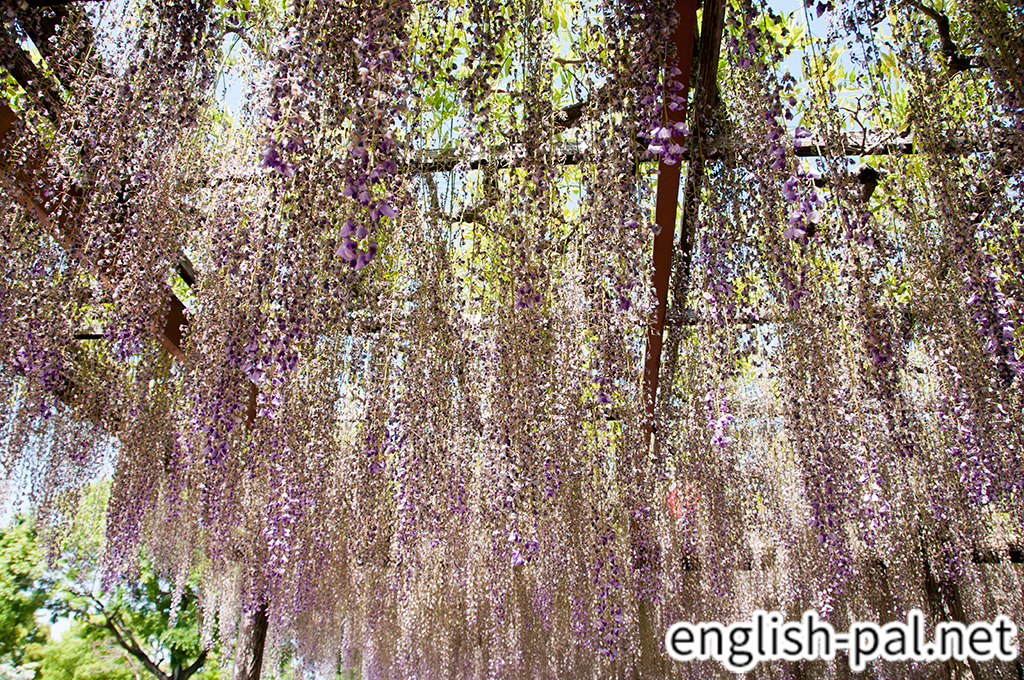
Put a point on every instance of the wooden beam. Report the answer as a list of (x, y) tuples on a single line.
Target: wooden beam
[(174, 328), (28, 179), (869, 143), (36, 84)]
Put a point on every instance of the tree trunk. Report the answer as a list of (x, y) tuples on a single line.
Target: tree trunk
[(252, 635)]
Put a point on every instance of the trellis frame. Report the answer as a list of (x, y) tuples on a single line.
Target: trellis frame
[(670, 258)]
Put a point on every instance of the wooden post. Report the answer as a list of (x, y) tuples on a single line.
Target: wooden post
[(661, 257), (705, 99), (665, 211)]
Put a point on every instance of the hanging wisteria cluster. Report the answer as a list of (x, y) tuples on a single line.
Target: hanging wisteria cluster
[(369, 356)]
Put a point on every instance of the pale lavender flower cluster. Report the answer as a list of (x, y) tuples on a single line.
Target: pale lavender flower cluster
[(372, 148), (720, 419), (664, 100), (990, 310), (669, 140), (608, 574), (285, 118), (745, 51), (805, 215), (527, 296), (976, 463), (795, 288)]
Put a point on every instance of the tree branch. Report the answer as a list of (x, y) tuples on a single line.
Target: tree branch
[(958, 62), (569, 116), (196, 665), (132, 647), (123, 636)]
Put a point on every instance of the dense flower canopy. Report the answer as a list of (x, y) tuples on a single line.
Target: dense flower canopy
[(369, 351)]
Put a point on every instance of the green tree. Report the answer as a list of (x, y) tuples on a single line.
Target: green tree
[(141, 618), (81, 655), (139, 627), (21, 633)]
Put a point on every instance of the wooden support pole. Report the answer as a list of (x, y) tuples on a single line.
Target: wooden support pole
[(651, 657), (705, 100), (665, 210)]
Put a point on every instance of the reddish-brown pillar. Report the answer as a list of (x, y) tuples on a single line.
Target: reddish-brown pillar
[(665, 209)]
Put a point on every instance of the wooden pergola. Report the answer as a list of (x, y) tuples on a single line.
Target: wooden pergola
[(23, 161)]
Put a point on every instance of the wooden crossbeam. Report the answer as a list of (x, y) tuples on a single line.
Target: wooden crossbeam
[(28, 179), (856, 144), (29, 76)]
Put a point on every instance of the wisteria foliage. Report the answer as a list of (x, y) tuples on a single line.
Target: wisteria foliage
[(407, 414)]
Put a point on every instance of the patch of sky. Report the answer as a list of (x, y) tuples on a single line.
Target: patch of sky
[(231, 84), (818, 58)]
